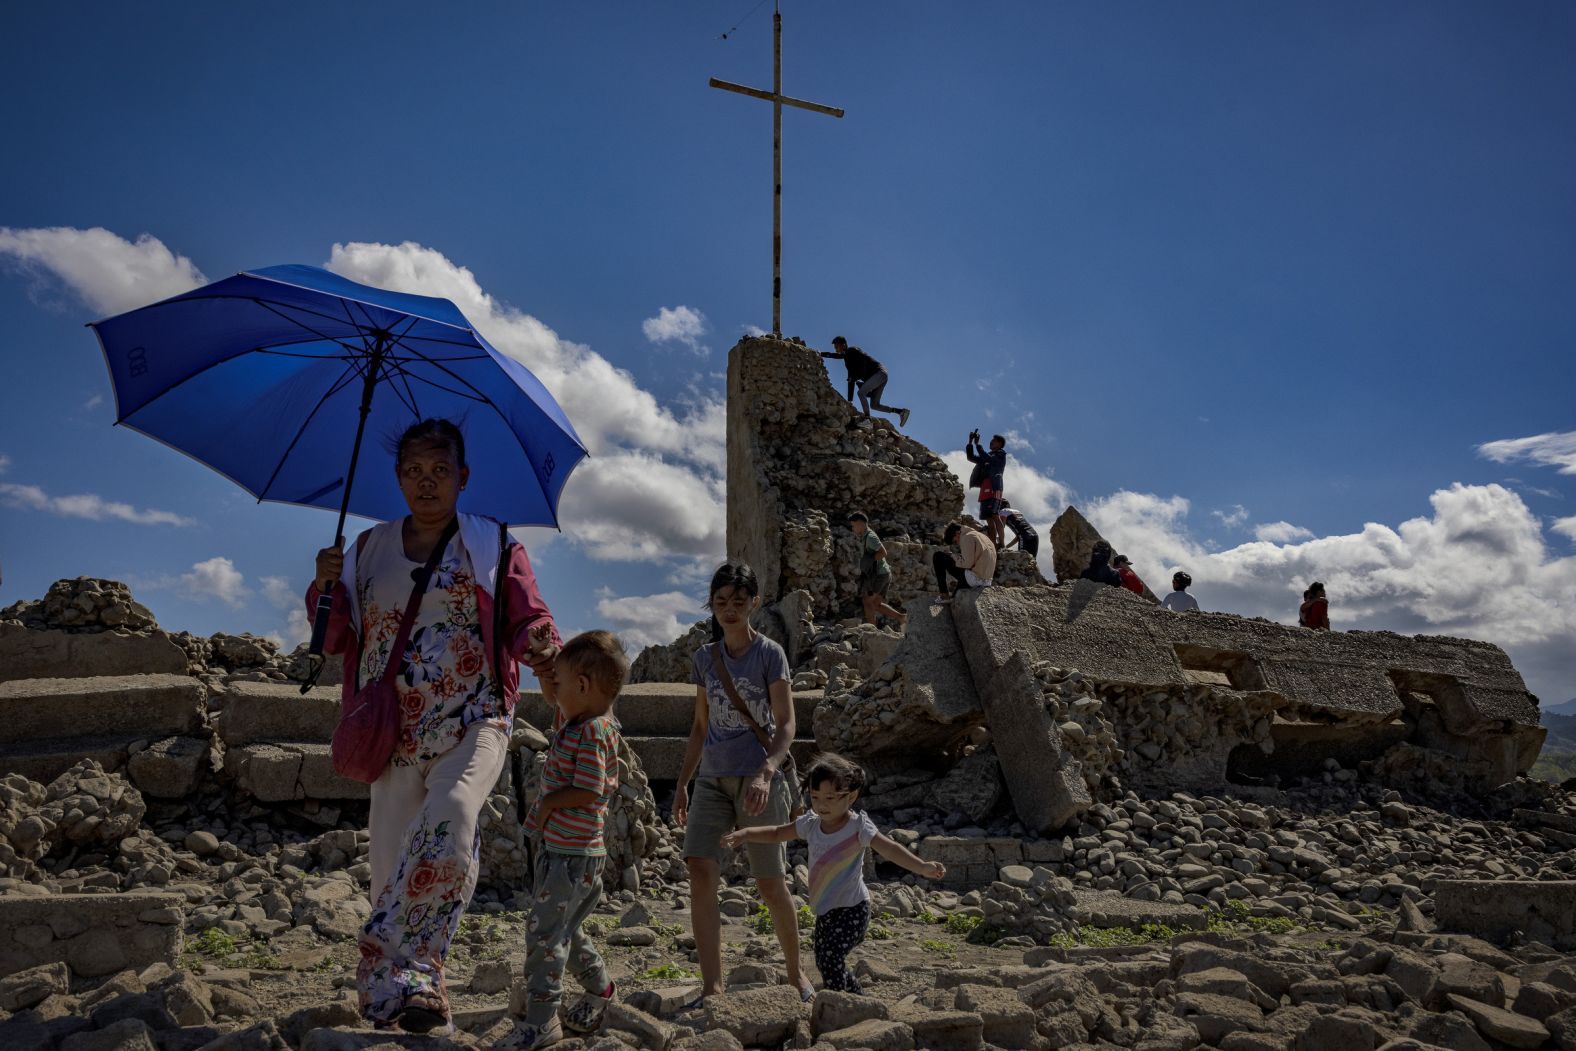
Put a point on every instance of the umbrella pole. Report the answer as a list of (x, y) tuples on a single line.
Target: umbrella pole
[(325, 599)]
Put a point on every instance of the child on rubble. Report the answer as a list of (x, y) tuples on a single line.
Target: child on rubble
[(838, 836), (566, 822)]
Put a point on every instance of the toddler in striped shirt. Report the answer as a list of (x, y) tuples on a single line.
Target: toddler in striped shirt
[(838, 836), (579, 777)]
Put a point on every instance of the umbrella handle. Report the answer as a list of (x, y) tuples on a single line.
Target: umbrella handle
[(314, 652)]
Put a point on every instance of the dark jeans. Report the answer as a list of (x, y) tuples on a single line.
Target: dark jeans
[(946, 566)]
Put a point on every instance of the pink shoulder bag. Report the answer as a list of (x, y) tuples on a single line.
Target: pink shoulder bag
[(368, 726)]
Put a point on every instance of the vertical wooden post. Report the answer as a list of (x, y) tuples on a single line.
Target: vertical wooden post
[(777, 170)]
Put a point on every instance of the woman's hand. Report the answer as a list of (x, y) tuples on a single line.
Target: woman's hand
[(681, 806), (542, 661), (330, 564), (934, 870), (758, 792), (733, 839)]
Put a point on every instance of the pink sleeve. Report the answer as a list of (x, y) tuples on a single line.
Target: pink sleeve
[(341, 637), (524, 603)]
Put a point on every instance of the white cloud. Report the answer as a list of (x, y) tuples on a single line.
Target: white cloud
[(754, 330), (92, 403), (680, 324), (86, 505), (1477, 566), (279, 591), (109, 273), (1281, 532), (653, 485), (1565, 526), (1040, 497), (216, 578), (649, 620), (5, 463), (1233, 518), (1555, 449)]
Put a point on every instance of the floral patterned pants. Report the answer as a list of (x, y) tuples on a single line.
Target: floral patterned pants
[(425, 847), (564, 891), (837, 933)]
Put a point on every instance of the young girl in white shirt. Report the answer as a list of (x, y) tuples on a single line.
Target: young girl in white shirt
[(838, 836)]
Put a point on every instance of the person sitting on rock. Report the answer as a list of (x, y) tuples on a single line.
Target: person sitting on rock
[(866, 375), (457, 682), (1179, 601), (1023, 534), (566, 825), (989, 471), (1100, 566), (874, 572), (738, 742), (1124, 570), (974, 566), (1315, 609), (838, 837)]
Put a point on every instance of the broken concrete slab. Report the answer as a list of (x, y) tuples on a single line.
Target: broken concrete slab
[(1541, 910), (1045, 782), (148, 706), (278, 773), (27, 653), (169, 768), (93, 934), (259, 711)]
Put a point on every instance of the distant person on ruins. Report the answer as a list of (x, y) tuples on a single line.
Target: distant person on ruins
[(838, 837), (1100, 566), (457, 682), (566, 825), (875, 574), (738, 743), (990, 469), (1315, 609), (866, 376), (1023, 534), (1179, 601), (974, 566), (1124, 570)]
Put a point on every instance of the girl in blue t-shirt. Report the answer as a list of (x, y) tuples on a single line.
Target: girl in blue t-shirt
[(838, 836)]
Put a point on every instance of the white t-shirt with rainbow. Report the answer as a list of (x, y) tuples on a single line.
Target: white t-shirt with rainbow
[(837, 878)]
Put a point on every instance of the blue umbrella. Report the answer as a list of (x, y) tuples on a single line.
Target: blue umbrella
[(275, 377)]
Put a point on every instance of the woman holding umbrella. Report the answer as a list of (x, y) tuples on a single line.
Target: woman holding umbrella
[(456, 709)]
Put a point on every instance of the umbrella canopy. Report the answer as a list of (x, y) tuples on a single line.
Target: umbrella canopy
[(264, 377)]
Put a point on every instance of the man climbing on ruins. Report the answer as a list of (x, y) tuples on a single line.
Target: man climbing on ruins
[(1179, 601), (874, 572), (1100, 566), (866, 375), (1023, 534), (974, 566), (989, 469)]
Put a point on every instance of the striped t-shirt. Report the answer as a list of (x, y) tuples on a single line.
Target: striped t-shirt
[(581, 755), (837, 860)]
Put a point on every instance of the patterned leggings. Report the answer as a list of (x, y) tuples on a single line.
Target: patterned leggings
[(837, 932), (564, 893)]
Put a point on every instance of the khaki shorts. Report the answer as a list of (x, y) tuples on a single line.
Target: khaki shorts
[(717, 808)]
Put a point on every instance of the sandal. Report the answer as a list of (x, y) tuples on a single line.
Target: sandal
[(423, 1013)]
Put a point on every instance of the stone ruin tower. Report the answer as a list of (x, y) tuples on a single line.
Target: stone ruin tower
[(800, 457)]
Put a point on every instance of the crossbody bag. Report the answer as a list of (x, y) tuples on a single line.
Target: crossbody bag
[(368, 728), (789, 772)]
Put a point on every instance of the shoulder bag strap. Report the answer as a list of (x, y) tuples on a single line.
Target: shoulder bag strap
[(408, 621), (733, 696)]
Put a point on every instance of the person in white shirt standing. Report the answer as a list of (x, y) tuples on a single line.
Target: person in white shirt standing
[(838, 836), (1179, 601)]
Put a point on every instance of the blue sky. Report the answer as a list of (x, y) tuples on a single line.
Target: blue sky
[(1258, 287)]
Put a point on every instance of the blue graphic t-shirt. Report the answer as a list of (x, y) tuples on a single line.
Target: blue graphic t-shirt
[(732, 749)]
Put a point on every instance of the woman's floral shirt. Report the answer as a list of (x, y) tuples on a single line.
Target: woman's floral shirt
[(444, 684)]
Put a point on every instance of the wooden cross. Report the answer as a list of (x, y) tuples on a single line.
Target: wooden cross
[(778, 101)]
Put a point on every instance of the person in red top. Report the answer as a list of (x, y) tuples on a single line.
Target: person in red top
[(1124, 569), (1315, 609)]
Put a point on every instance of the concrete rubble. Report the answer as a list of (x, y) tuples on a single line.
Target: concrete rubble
[(1161, 833)]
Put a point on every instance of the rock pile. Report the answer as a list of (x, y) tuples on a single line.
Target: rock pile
[(83, 811), (85, 604)]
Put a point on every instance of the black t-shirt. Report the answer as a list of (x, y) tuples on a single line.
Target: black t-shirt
[(861, 366), (1019, 525)]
